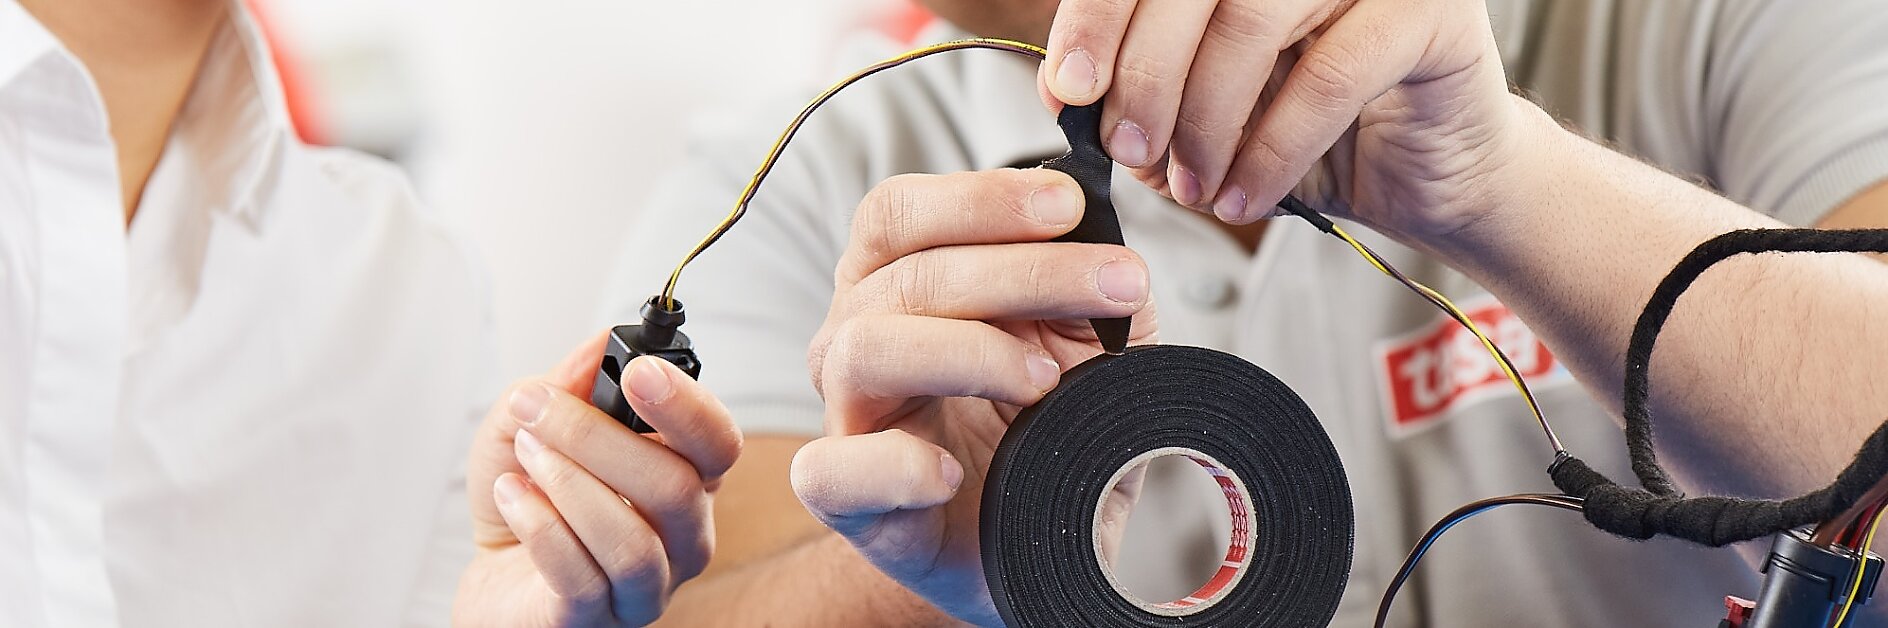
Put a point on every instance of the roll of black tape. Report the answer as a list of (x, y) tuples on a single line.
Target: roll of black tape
[(1292, 527)]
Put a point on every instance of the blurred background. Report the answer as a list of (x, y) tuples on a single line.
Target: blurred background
[(539, 126)]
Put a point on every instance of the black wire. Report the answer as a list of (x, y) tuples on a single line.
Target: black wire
[(1563, 502)]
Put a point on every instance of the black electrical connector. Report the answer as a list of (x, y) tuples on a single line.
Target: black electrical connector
[(659, 335), (1806, 585)]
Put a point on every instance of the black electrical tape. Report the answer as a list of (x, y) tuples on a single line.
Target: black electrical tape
[(1057, 460), (1091, 168), (1659, 508)]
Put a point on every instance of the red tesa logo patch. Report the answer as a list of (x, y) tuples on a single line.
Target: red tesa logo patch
[(1442, 366)]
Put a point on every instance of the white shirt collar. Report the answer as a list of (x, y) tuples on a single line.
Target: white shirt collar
[(22, 41), (230, 124), (234, 119)]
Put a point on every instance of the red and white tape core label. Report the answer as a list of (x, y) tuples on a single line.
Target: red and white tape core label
[(1238, 548)]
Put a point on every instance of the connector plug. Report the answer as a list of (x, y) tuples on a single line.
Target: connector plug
[(659, 335)]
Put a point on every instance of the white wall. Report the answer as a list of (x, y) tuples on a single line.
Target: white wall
[(540, 125)]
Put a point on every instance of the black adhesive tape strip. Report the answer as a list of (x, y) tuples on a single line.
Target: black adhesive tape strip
[(1088, 164), (1059, 456)]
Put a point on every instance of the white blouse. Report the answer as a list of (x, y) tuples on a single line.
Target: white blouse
[(251, 406)]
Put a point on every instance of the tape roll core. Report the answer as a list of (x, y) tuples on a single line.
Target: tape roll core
[(1238, 544), (1059, 456)]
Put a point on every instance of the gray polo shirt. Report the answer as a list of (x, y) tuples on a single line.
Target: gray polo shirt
[(1777, 104)]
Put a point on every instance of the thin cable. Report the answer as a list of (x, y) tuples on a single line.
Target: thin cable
[(1861, 568), (780, 145), (1297, 208), (1290, 204), (1563, 502)]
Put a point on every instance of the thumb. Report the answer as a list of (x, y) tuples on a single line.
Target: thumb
[(850, 482)]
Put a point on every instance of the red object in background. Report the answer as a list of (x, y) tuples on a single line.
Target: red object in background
[(302, 110), (905, 23), (1737, 611)]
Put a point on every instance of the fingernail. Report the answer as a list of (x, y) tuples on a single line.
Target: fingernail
[(648, 382), (1185, 187), (1128, 144), (527, 402), (528, 444), (953, 472), (1122, 281), (1231, 206), (1043, 371), (1076, 77), (507, 490), (1054, 205)]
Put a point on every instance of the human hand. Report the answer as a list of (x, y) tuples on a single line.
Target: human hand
[(1396, 114), (580, 521), (952, 311)]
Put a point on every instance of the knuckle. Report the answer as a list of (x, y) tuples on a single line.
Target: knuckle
[(639, 563), (702, 545), (680, 494), (579, 429), (816, 351), (641, 578), (850, 355), (561, 474), (885, 212), (543, 529), (1326, 79), (917, 284), (1140, 76), (593, 598), (1197, 130), (1263, 149), (1245, 24)]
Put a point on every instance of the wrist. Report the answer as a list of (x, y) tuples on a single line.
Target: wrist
[(881, 598), (1534, 150)]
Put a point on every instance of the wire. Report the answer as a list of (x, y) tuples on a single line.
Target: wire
[(1462, 514), (1861, 567), (1289, 203), (1296, 207), (780, 145)]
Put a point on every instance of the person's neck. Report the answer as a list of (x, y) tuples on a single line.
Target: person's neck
[(144, 56)]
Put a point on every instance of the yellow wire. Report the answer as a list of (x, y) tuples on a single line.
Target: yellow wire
[(1031, 50), (1443, 302), (1861, 567), (780, 145)]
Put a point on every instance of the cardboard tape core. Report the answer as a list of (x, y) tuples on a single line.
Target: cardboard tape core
[(1238, 547)]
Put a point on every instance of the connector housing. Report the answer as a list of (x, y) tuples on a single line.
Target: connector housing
[(658, 335)]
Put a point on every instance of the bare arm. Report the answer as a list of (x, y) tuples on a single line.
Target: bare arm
[(1765, 378)]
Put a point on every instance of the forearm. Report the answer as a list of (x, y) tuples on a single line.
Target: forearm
[(1763, 379), (820, 582)]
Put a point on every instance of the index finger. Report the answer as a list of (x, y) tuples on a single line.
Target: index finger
[(914, 212)]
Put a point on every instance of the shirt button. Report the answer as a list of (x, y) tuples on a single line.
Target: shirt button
[(1211, 292)]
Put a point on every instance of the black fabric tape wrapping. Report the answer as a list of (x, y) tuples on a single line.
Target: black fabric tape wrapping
[(1057, 458), (1088, 164), (1660, 508)]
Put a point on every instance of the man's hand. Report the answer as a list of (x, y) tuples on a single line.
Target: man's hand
[(580, 521), (1393, 113), (952, 311)]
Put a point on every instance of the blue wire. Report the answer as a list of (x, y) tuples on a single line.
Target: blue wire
[(1435, 532)]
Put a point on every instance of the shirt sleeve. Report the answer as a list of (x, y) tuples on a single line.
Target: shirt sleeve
[(756, 298), (1796, 91)]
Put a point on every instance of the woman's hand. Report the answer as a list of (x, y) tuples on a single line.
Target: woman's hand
[(580, 521)]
